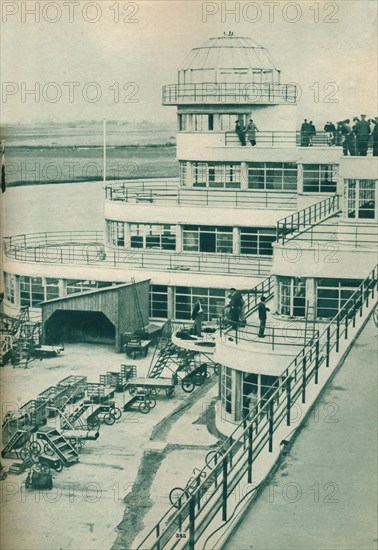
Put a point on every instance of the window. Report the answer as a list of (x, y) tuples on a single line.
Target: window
[(116, 233), (292, 296), (361, 199), (331, 295), (10, 284), (257, 240), (185, 298), (52, 288), (226, 389), (182, 123), (215, 175), (250, 392), (161, 237), (31, 291), (74, 285), (205, 238), (279, 176), (319, 178), (183, 173), (159, 301)]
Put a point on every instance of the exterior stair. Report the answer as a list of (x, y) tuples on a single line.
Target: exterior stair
[(59, 444), (17, 440)]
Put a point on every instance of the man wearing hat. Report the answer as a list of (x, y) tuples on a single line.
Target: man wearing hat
[(362, 131)]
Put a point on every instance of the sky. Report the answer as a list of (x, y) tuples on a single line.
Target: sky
[(109, 59)]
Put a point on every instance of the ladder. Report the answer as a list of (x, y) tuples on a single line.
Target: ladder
[(173, 358), (17, 440), (58, 444)]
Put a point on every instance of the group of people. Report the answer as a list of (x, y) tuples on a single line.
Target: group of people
[(247, 133), (235, 310), (354, 139)]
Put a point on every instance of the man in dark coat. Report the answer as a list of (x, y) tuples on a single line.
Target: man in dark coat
[(362, 131), (236, 306), (240, 130), (375, 136), (197, 317), (262, 316), (305, 133)]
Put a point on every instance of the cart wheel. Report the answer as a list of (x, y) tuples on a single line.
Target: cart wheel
[(23, 453), (109, 419), (187, 386), (212, 459), (170, 392), (151, 402), (116, 413), (35, 447), (178, 497), (144, 407), (132, 390), (59, 466), (48, 450)]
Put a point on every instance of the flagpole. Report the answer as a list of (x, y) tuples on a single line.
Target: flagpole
[(104, 151)]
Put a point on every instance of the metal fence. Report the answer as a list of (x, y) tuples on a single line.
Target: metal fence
[(87, 248), (247, 93), (283, 138), (167, 193), (208, 498), (309, 216)]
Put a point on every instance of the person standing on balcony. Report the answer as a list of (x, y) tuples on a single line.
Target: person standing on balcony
[(236, 307), (240, 130), (362, 131), (197, 317), (312, 132), (305, 133), (330, 130), (375, 136), (251, 132), (262, 316), (349, 142)]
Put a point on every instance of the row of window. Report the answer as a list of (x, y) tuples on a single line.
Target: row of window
[(277, 176), (218, 122), (362, 198), (206, 238), (331, 295), (213, 301)]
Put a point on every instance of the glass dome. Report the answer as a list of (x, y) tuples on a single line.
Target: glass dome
[(228, 58)]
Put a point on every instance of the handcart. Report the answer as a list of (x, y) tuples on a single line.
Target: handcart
[(195, 378), (141, 402), (152, 386), (136, 345)]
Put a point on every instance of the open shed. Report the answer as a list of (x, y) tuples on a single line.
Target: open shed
[(96, 316)]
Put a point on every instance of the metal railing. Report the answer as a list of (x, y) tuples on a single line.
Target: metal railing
[(170, 194), (308, 217), (336, 235), (80, 248), (282, 138), (214, 485), (223, 92)]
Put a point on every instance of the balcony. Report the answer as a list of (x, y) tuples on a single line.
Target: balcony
[(87, 249), (230, 93), (167, 193)]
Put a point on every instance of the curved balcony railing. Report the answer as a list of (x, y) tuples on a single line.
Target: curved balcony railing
[(87, 248), (227, 92), (169, 194)]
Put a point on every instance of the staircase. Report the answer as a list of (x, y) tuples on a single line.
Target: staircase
[(171, 357), (17, 440), (59, 444)]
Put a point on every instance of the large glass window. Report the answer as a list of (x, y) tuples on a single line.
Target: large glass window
[(159, 301), (279, 176), (116, 233), (185, 298), (361, 199), (292, 296), (75, 285), (31, 291), (52, 288), (226, 389), (10, 284), (331, 295), (216, 175), (207, 239), (319, 178), (161, 237), (257, 240), (183, 174)]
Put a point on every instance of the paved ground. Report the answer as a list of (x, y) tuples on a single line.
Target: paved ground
[(88, 500), (324, 495)]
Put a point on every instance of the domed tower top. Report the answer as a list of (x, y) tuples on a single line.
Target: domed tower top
[(228, 58)]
